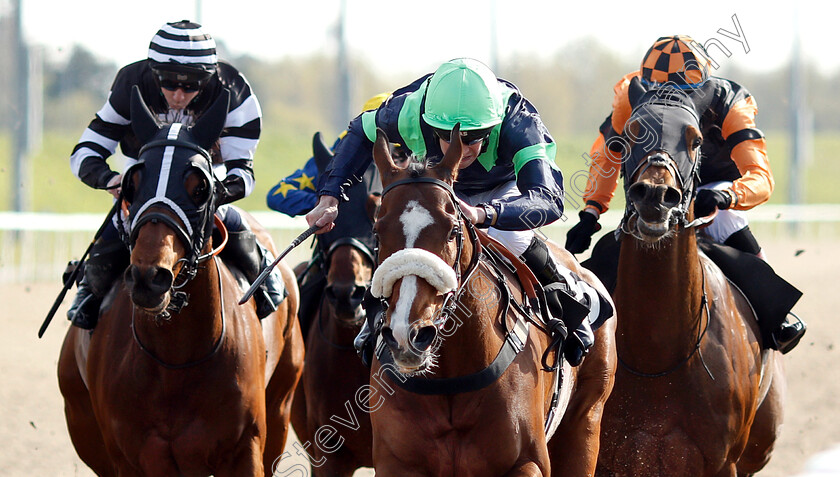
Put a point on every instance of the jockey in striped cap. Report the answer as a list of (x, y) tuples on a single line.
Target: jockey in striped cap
[(181, 51), (179, 80)]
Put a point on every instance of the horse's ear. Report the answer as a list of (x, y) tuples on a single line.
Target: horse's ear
[(143, 122), (208, 128), (635, 91), (452, 159), (321, 152), (382, 157), (702, 97)]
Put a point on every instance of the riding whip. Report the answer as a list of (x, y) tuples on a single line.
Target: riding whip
[(75, 273), (261, 278)]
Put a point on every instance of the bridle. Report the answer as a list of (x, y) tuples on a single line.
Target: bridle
[(462, 276), (326, 260), (688, 183), (194, 236)]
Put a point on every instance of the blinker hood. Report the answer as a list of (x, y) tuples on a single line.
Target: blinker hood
[(163, 168), (662, 122)]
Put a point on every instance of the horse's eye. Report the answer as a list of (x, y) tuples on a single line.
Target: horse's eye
[(130, 183), (696, 143), (456, 230), (201, 193)]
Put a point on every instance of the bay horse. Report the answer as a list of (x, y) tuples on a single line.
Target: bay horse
[(177, 378), (695, 394), (460, 385), (332, 372)]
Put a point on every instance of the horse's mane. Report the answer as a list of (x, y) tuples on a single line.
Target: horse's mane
[(419, 167)]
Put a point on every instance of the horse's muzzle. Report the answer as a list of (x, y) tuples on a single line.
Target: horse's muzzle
[(654, 205), (149, 286), (346, 300), (415, 356)]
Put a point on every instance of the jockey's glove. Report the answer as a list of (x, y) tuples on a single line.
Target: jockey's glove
[(229, 190), (709, 199), (579, 237)]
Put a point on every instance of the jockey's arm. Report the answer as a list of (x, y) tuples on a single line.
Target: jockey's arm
[(352, 156), (541, 200), (604, 170), (239, 181), (604, 157), (749, 153)]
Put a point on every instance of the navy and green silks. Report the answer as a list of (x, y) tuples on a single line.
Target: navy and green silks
[(520, 140)]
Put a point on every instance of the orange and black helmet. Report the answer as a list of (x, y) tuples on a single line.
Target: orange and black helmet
[(677, 59)]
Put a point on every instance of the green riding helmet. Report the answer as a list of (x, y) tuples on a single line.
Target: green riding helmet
[(463, 91)]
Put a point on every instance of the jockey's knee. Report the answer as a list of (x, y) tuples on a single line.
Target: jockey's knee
[(231, 217), (517, 241), (744, 240)]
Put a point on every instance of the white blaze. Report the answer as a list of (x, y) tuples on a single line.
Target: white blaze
[(414, 218)]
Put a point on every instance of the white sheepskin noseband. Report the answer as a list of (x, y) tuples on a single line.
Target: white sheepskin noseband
[(413, 261)]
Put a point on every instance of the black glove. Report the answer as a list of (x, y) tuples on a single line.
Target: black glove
[(708, 199), (580, 236), (229, 190)]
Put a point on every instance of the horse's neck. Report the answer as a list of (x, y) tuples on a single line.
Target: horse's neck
[(470, 343), (659, 296), (191, 333)]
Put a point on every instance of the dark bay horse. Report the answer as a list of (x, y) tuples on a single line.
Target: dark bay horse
[(177, 378), (333, 373), (458, 386), (694, 395)]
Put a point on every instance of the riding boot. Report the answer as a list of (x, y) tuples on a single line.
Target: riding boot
[(787, 335), (772, 298), (108, 260), (562, 301), (243, 251)]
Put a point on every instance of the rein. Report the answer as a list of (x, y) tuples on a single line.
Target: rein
[(701, 332), (190, 364)]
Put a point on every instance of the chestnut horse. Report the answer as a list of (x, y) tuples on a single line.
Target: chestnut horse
[(694, 395), (177, 378), (333, 373), (459, 386)]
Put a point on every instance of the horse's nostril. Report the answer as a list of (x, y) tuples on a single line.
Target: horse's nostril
[(388, 336), (161, 280), (128, 276), (423, 338), (637, 192), (671, 198), (329, 292), (359, 292)]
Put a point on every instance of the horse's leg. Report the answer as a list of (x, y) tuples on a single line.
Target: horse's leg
[(278, 414), (768, 420), (81, 421), (575, 445), (281, 386), (526, 469), (246, 462)]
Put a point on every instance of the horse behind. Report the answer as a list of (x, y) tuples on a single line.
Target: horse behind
[(695, 395), (332, 372), (458, 386), (177, 378)]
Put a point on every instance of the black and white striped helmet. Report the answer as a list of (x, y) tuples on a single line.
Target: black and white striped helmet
[(183, 49)]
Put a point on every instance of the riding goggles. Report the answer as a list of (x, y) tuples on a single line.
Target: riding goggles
[(469, 138), (188, 87)]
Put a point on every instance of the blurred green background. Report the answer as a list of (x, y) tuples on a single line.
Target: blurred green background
[(298, 98)]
